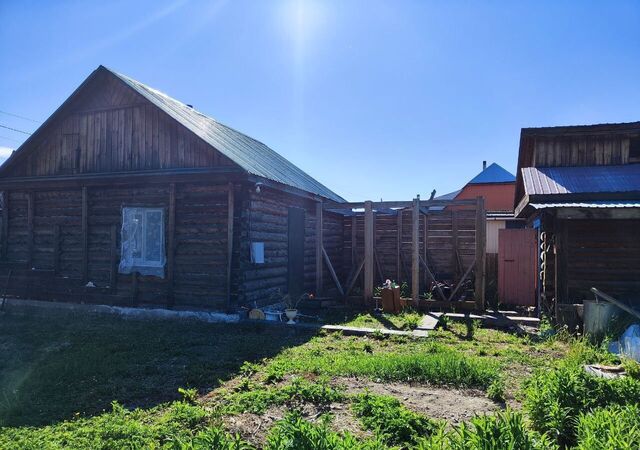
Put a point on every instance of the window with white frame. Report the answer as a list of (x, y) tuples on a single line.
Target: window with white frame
[(142, 237)]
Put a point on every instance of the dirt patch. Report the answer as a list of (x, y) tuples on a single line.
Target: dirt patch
[(453, 405), (254, 428)]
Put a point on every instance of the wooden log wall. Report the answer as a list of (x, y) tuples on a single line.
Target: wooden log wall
[(440, 229), (604, 254), (264, 219), (52, 265)]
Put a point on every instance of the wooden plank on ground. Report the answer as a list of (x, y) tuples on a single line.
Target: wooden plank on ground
[(428, 322)]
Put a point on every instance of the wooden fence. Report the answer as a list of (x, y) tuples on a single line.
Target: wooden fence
[(414, 242)]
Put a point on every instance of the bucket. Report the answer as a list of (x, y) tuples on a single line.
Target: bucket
[(598, 316)]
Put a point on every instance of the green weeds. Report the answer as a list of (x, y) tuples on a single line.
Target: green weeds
[(504, 430), (555, 399), (612, 428), (391, 421), (295, 433)]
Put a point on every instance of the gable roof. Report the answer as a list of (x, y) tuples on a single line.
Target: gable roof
[(493, 174), (250, 154)]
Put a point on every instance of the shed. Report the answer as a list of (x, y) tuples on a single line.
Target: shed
[(579, 187), (128, 196)]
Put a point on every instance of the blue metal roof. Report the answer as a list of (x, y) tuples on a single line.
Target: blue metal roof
[(586, 179), (493, 174), (250, 154)]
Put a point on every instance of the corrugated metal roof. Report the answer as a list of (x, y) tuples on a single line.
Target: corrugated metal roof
[(250, 154), (603, 204), (588, 179), (495, 173)]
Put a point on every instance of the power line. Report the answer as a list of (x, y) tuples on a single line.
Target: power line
[(11, 139), (19, 117), (13, 129)]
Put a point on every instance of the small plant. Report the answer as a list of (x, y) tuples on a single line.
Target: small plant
[(378, 335), (248, 369), (189, 395), (391, 421), (496, 389), (274, 374), (404, 290), (291, 303), (632, 368), (444, 321)]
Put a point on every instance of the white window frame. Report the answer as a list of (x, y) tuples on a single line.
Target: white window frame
[(128, 262), (143, 262)]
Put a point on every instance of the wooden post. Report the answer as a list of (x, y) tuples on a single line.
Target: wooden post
[(230, 217), (5, 224), (562, 286), (368, 251), (56, 249), (113, 274), (425, 253), (319, 239), (481, 253), (354, 243), (85, 235), (399, 249), (415, 251), (454, 243), (30, 230), (171, 243)]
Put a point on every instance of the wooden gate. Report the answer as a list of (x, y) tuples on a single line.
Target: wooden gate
[(517, 266)]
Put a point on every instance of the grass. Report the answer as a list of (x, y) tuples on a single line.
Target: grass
[(176, 383), (53, 368), (415, 361)]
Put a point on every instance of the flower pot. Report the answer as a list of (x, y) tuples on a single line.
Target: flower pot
[(291, 314), (397, 303), (386, 296)]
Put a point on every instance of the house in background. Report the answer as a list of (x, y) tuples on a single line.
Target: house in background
[(497, 186), (127, 196), (578, 188)]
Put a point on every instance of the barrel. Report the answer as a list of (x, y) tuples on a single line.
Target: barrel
[(598, 316)]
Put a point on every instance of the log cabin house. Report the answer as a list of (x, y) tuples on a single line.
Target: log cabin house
[(125, 196), (578, 187)]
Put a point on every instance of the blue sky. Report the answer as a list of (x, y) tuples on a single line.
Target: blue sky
[(376, 99)]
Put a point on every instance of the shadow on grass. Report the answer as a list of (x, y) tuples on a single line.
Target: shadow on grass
[(52, 368)]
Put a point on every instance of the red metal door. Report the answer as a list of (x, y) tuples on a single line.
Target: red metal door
[(517, 266)]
